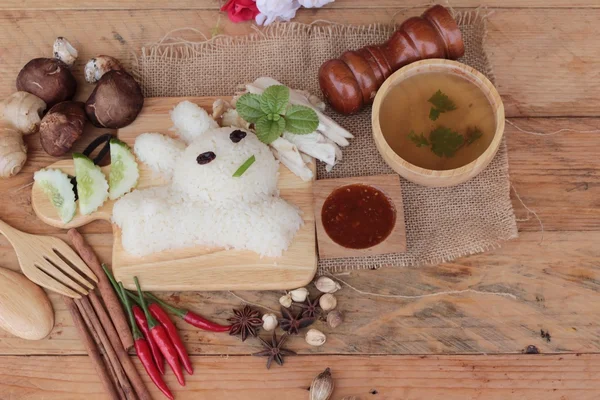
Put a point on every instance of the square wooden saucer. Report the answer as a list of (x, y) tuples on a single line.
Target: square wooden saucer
[(389, 185)]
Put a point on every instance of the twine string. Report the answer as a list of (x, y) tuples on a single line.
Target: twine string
[(423, 296), (534, 133)]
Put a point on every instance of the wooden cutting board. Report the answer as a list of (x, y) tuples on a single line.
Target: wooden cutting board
[(198, 268)]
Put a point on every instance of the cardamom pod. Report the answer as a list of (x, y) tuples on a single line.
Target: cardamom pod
[(328, 302), (334, 319), (322, 386), (286, 300), (315, 337), (269, 322), (327, 285), (299, 295)]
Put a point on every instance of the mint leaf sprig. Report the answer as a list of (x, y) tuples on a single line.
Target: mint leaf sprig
[(271, 114)]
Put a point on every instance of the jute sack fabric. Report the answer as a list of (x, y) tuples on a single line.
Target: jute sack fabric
[(441, 223)]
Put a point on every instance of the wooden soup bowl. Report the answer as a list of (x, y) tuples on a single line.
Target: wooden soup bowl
[(428, 177)]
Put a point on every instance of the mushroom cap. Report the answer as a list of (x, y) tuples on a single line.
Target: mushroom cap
[(62, 126), (49, 79), (116, 101)]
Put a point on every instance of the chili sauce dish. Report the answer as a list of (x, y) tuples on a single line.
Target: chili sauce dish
[(359, 216)]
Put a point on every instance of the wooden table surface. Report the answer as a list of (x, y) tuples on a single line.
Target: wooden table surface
[(463, 346)]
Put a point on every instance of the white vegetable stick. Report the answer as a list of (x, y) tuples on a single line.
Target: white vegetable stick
[(288, 154), (260, 84), (333, 135), (338, 151), (306, 158), (314, 144)]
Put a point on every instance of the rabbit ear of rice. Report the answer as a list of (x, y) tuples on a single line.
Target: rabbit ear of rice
[(191, 121), (159, 152)]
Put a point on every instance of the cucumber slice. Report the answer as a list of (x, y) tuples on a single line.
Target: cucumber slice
[(124, 172), (59, 189), (92, 187)]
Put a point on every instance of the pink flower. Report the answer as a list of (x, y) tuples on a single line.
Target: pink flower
[(240, 10)]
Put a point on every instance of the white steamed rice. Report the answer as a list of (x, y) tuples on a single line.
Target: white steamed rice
[(157, 222), (205, 205), (191, 121), (214, 181), (159, 152)]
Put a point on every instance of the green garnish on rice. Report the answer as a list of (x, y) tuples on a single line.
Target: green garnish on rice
[(244, 167)]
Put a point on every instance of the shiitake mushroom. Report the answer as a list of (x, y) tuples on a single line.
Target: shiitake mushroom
[(62, 126), (49, 79), (116, 101), (98, 66)]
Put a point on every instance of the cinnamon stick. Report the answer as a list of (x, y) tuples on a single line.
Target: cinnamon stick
[(112, 369), (92, 349), (100, 347), (113, 376), (88, 311), (117, 315), (128, 366)]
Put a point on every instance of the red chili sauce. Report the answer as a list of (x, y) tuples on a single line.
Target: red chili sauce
[(358, 216)]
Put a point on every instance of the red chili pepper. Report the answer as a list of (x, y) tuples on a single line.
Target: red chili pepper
[(142, 323), (143, 352), (164, 319), (192, 318), (161, 338)]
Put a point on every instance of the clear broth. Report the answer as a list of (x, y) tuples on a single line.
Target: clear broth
[(406, 108)]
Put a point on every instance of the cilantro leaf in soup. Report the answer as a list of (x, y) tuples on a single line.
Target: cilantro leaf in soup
[(472, 135), (301, 120), (418, 140), (248, 106), (441, 104), (274, 100), (434, 114), (445, 142)]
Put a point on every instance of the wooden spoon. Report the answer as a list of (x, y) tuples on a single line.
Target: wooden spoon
[(25, 310)]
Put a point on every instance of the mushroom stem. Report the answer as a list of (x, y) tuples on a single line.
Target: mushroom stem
[(64, 51)]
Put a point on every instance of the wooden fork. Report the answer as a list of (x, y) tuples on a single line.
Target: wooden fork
[(49, 262)]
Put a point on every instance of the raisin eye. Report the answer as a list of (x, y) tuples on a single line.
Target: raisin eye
[(237, 135), (205, 158)]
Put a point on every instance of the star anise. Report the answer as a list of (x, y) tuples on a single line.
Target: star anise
[(292, 324), (273, 350), (310, 308), (244, 322)]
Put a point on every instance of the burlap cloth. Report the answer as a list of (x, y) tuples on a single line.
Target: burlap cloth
[(441, 223)]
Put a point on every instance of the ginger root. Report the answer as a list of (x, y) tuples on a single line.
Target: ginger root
[(13, 152), (20, 115), (23, 111)]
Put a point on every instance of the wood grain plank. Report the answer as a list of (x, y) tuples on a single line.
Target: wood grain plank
[(557, 176), (216, 4), (556, 284), (540, 377), (537, 54)]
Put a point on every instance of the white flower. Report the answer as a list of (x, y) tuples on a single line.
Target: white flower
[(276, 10), (314, 3)]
